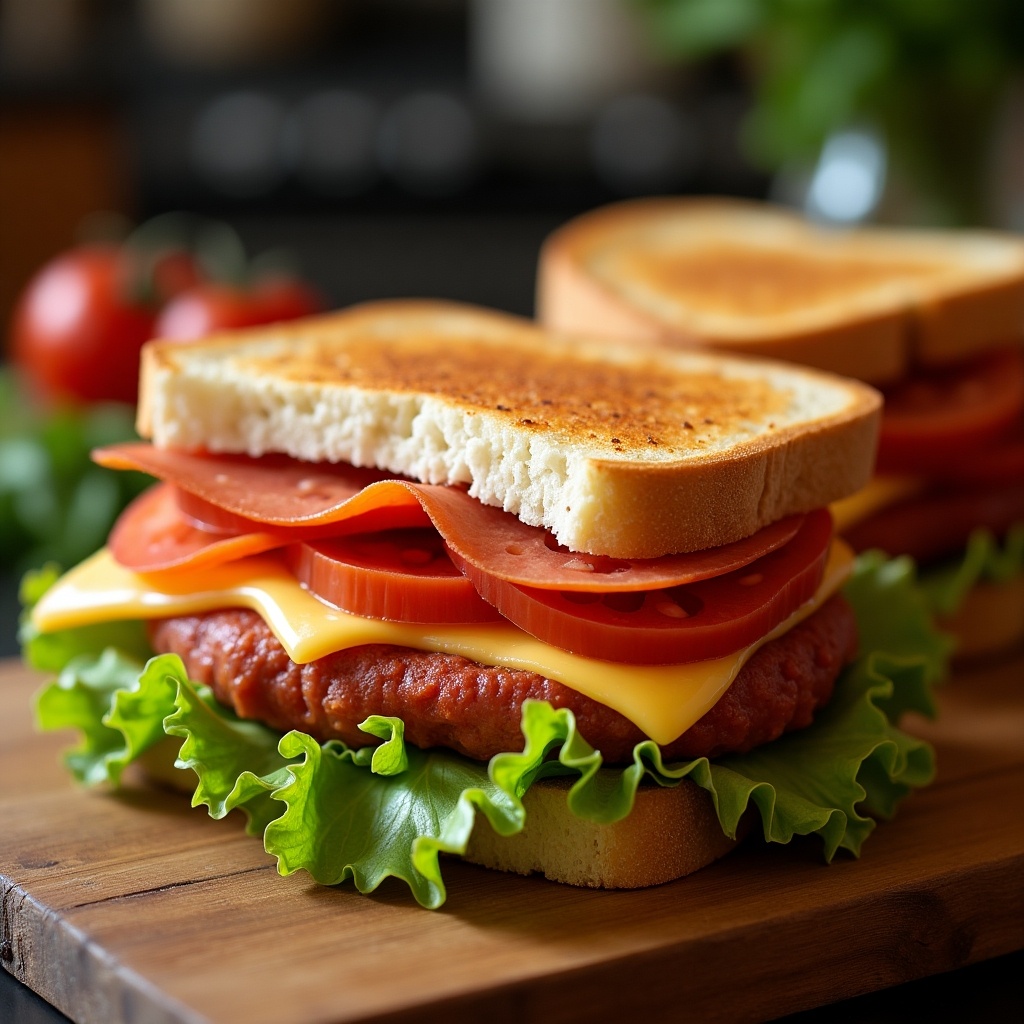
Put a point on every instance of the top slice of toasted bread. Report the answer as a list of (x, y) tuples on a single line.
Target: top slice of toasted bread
[(753, 278), (618, 451)]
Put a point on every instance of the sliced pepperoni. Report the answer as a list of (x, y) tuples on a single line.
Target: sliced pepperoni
[(274, 492)]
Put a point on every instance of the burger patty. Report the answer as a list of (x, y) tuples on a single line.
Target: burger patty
[(446, 700)]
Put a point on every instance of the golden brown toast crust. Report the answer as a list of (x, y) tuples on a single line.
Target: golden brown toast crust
[(748, 277), (617, 451), (582, 401)]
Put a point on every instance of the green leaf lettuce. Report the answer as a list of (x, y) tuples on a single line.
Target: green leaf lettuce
[(391, 810), (984, 561)]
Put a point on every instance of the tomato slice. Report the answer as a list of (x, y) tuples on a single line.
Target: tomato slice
[(232, 493), (946, 416), (705, 619), (154, 534), (396, 574), (1002, 461), (937, 523), (150, 536)]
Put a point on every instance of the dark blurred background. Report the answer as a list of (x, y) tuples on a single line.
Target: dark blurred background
[(419, 147), (426, 147)]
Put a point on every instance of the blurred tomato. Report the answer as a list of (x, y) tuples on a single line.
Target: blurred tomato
[(174, 271), (286, 298), (215, 307), (76, 331), (81, 322), (206, 308)]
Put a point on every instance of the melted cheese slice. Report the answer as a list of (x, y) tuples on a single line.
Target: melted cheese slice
[(662, 700), (880, 492)]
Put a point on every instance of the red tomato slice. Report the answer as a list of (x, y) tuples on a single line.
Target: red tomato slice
[(228, 492), (947, 416), (154, 535), (1001, 461), (706, 619), (151, 536), (936, 524), (398, 574), (407, 575)]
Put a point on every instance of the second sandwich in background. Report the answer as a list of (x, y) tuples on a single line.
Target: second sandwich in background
[(935, 319)]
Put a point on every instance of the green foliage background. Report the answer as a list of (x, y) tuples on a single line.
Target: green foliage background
[(55, 503), (929, 74)]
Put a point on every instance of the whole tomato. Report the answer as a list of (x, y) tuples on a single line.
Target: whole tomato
[(174, 270), (76, 331), (204, 309), (211, 307)]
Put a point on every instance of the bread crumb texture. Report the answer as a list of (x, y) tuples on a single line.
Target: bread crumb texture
[(669, 833), (573, 435)]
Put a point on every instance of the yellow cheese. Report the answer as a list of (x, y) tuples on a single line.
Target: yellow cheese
[(662, 700), (880, 492)]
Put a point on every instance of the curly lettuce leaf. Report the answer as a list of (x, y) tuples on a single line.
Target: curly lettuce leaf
[(390, 811), (984, 561), (237, 762), (834, 778), (894, 615), (82, 697), (341, 820)]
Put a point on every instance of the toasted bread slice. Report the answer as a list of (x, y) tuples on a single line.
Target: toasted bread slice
[(668, 834), (747, 277), (618, 451)]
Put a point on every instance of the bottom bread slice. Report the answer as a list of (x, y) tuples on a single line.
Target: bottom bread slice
[(668, 834)]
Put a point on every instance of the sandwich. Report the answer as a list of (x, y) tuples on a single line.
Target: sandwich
[(419, 578), (935, 319)]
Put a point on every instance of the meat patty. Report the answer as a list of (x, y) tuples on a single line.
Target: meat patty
[(449, 701)]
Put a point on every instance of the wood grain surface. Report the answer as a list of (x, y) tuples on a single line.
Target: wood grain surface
[(132, 908)]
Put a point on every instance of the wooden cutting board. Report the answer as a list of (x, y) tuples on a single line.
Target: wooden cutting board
[(132, 908)]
